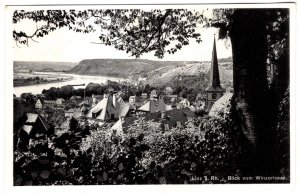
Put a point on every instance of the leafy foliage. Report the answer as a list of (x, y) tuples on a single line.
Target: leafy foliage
[(134, 31), (283, 135)]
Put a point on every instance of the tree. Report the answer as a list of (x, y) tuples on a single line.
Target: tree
[(250, 32), (134, 31)]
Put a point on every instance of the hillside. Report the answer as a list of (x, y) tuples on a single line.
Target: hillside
[(190, 75), (43, 65), (121, 67)]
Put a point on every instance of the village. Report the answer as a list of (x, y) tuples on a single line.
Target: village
[(162, 109)]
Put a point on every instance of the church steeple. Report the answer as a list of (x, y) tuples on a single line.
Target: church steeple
[(214, 90), (214, 77)]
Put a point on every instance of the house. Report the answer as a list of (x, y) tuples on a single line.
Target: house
[(76, 98), (69, 113), (107, 109), (200, 104), (38, 104), (96, 98), (144, 96), (132, 100), (49, 103), (154, 94), (124, 110), (185, 103), (158, 120), (170, 98), (168, 91), (153, 105), (87, 102), (110, 89), (142, 79), (200, 96), (120, 93), (60, 101), (214, 91), (35, 127), (73, 112), (168, 107), (120, 100)]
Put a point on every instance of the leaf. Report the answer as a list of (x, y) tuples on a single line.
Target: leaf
[(62, 171), (120, 167), (45, 174), (18, 180), (105, 176), (34, 174), (162, 180)]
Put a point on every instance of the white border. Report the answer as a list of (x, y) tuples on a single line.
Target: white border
[(227, 189)]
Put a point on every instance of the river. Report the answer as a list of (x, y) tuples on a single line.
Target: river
[(77, 79)]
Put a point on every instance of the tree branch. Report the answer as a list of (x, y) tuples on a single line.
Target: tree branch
[(162, 20)]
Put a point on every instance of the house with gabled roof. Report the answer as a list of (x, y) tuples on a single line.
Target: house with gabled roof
[(144, 96), (168, 90), (49, 103), (184, 103), (153, 105), (107, 109), (38, 104), (104, 110), (35, 127), (96, 99), (153, 94), (60, 101), (132, 100)]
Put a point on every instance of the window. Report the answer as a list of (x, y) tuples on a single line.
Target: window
[(214, 96)]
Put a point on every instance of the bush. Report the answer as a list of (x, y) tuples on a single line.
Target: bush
[(144, 154), (148, 155)]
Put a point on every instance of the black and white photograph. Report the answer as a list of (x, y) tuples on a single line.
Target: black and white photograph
[(149, 94)]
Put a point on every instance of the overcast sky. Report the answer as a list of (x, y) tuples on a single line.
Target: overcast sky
[(67, 46)]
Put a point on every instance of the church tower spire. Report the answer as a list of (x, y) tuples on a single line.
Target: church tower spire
[(214, 77), (214, 91)]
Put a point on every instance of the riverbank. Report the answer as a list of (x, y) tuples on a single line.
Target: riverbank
[(41, 83), (83, 80), (38, 78)]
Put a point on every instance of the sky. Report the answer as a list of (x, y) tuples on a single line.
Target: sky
[(64, 45)]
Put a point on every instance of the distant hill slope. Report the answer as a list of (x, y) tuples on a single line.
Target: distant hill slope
[(121, 67), (43, 65), (191, 75)]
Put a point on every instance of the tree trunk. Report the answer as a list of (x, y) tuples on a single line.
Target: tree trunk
[(249, 48)]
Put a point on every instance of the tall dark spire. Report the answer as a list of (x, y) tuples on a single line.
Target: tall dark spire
[(214, 77)]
